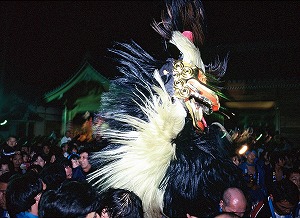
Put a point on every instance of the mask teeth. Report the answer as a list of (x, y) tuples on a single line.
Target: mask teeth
[(199, 114), (204, 122)]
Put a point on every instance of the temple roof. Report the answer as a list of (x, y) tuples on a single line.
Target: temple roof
[(85, 74)]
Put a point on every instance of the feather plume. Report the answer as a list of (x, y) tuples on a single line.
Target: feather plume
[(190, 53), (144, 152)]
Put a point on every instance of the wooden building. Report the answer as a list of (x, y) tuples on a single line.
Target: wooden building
[(80, 94)]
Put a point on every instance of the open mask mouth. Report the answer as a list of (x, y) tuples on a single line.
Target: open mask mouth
[(201, 101), (190, 85)]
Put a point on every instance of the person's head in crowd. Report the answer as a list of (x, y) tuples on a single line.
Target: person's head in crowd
[(36, 148), (25, 157), (226, 215), (293, 174), (53, 176), (74, 158), (72, 148), (12, 141), (285, 196), (39, 159), (17, 160), (277, 159), (251, 156), (65, 147), (23, 195), (234, 156), (120, 203), (52, 158), (233, 201), (46, 148), (4, 179), (71, 199), (236, 159), (10, 147), (5, 165), (67, 164), (35, 168), (84, 160), (25, 148), (265, 156), (56, 154), (68, 134)]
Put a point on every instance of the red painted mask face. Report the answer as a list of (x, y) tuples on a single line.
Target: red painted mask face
[(190, 85)]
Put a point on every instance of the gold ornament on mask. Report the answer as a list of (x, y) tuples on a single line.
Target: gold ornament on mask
[(190, 85), (182, 73)]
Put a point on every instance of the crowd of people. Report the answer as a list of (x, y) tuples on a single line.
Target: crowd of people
[(49, 179), (271, 170)]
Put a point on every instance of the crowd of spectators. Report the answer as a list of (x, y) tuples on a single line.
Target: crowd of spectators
[(47, 178)]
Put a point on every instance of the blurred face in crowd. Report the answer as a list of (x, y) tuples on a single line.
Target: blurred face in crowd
[(84, 161), (17, 160), (65, 148), (68, 134), (39, 161), (3, 187), (4, 169), (25, 158), (25, 149), (46, 149), (295, 178), (281, 162), (68, 170), (251, 157), (53, 159), (235, 160), (74, 150), (284, 207), (266, 156), (12, 142), (75, 162)]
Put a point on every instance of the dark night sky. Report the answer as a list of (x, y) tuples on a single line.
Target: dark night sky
[(46, 42)]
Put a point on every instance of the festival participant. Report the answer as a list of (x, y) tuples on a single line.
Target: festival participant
[(39, 159), (120, 203), (53, 176), (77, 172), (281, 203), (233, 201), (23, 194), (17, 161), (9, 147), (161, 146), (4, 179), (254, 175), (293, 175), (71, 199), (84, 161)]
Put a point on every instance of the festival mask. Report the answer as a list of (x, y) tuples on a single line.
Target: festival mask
[(190, 85)]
